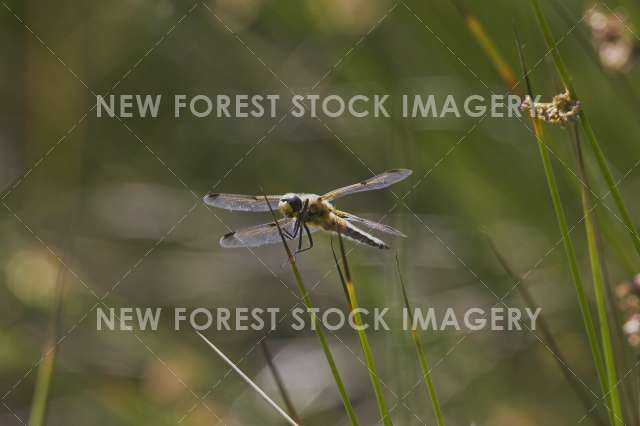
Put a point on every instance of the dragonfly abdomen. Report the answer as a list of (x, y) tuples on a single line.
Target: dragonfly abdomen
[(354, 233)]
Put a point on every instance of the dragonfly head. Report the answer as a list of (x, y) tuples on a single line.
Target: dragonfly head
[(290, 204)]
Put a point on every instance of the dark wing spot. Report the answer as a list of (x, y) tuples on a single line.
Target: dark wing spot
[(229, 235), (211, 196)]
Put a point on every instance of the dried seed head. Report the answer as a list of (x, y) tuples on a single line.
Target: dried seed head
[(561, 110)]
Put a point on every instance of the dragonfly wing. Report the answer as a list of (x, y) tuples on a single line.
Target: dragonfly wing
[(380, 181), (370, 224), (256, 236), (245, 203), (259, 235)]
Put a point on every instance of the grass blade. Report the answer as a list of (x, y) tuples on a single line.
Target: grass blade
[(611, 184), (601, 159), (38, 412), (278, 379), (422, 359), (41, 392), (341, 276), (571, 256), (493, 53), (577, 387), (362, 335), (599, 290), (567, 243), (249, 381), (304, 294)]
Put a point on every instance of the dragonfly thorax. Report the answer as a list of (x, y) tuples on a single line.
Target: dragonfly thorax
[(305, 213)]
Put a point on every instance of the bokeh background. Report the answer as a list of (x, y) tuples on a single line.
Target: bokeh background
[(102, 210)]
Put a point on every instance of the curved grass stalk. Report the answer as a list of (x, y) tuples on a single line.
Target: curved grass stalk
[(279, 383), (422, 359), (304, 294), (506, 73), (550, 340), (43, 382), (611, 184), (605, 377), (250, 382), (611, 390), (567, 243), (347, 283), (599, 290), (39, 403), (601, 159), (570, 253)]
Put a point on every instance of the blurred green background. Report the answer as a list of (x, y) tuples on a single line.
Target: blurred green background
[(101, 206)]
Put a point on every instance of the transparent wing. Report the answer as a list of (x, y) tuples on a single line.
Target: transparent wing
[(370, 224), (256, 236), (259, 235), (245, 203), (380, 181)]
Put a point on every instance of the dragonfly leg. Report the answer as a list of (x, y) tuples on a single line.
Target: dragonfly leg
[(296, 229), (300, 249), (302, 216), (300, 239)]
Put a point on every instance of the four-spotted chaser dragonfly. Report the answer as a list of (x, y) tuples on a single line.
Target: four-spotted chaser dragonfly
[(306, 213)]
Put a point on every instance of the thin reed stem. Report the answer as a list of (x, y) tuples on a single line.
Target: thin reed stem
[(250, 382), (323, 340), (550, 340), (279, 382), (601, 159), (341, 276), (422, 359), (362, 335), (569, 249), (493, 53), (571, 256), (619, 343), (39, 403), (599, 290)]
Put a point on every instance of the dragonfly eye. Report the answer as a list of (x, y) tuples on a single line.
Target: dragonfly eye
[(294, 201)]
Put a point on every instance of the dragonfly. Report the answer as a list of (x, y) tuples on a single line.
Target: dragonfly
[(305, 213)]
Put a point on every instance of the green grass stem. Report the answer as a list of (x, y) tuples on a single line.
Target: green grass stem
[(599, 290), (575, 383), (39, 403), (306, 299), (422, 359), (362, 335), (601, 159), (567, 243)]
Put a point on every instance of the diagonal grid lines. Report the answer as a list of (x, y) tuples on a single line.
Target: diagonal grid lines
[(400, 199), (598, 198), (166, 167)]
